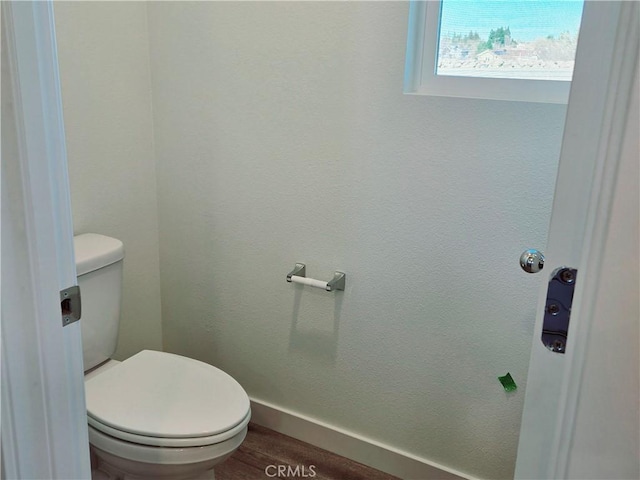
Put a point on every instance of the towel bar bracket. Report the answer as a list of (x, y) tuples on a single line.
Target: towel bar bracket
[(300, 270)]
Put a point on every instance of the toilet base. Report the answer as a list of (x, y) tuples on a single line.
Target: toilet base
[(101, 475), (102, 468), (115, 459)]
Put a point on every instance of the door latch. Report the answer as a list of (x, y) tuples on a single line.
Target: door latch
[(558, 309), (70, 305)]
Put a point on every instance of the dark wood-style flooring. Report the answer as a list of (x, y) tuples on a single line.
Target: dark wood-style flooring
[(264, 451)]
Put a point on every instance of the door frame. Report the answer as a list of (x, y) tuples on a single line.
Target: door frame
[(601, 92), (44, 426), (54, 358)]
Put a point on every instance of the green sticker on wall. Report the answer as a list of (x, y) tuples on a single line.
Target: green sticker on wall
[(508, 383)]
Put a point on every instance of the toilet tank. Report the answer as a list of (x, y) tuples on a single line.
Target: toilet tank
[(99, 269)]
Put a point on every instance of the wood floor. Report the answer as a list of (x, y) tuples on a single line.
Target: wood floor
[(267, 454)]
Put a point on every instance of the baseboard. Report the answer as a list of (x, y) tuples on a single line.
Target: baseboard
[(355, 447)]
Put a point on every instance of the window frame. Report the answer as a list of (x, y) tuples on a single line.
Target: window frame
[(420, 68)]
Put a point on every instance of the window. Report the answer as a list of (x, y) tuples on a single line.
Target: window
[(504, 50)]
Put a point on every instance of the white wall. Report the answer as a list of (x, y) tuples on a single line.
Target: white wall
[(282, 135), (104, 70)]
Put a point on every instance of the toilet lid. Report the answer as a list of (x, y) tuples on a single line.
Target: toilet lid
[(159, 394)]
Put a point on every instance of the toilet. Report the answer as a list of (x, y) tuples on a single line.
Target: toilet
[(155, 415)]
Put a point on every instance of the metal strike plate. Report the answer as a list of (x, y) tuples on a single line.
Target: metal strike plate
[(70, 305), (558, 309)]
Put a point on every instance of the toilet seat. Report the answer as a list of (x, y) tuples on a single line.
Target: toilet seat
[(166, 400), (170, 442)]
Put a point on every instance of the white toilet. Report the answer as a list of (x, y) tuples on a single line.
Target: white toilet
[(155, 415)]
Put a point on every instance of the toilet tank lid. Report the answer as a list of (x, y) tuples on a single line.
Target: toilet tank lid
[(94, 251)]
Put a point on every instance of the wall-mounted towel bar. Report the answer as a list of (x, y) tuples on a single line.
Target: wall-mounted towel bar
[(299, 275)]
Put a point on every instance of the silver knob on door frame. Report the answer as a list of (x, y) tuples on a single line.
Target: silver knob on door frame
[(532, 261)]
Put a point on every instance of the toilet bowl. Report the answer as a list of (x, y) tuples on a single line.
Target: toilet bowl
[(154, 415), (158, 415)]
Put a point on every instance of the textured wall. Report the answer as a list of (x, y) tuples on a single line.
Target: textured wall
[(282, 135), (104, 68)]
